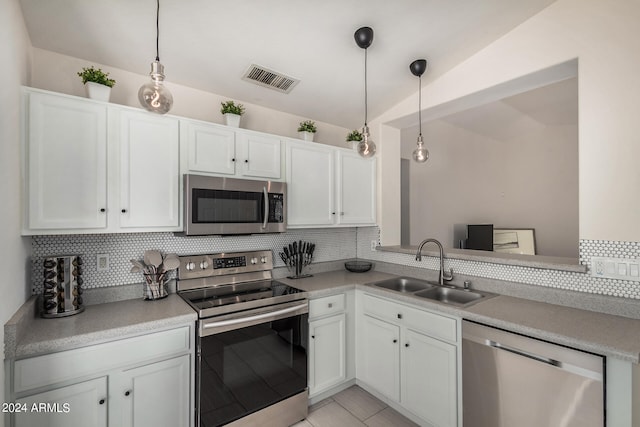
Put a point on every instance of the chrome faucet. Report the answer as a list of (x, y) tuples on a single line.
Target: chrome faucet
[(441, 276)]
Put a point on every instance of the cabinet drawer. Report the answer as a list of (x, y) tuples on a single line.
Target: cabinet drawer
[(383, 309), (428, 323), (326, 305), (53, 368)]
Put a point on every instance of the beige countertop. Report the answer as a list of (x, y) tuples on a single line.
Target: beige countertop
[(28, 335), (614, 336)]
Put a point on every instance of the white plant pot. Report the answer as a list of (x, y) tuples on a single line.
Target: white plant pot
[(354, 145), (232, 120), (97, 91), (307, 136)]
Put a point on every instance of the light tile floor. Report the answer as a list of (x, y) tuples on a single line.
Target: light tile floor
[(353, 407)]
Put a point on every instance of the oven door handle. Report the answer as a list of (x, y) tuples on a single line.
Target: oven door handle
[(250, 319), (266, 207)]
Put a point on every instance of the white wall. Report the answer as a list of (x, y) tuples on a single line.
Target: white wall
[(56, 72), (14, 249), (530, 181), (603, 36)]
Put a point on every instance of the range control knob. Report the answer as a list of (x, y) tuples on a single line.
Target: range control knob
[(263, 260), (190, 265), (254, 260), (204, 265)]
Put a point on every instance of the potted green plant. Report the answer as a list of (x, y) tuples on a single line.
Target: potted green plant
[(354, 137), (307, 130), (97, 83), (232, 113)]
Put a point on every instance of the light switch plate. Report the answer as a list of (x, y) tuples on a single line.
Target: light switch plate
[(616, 268), (102, 262)]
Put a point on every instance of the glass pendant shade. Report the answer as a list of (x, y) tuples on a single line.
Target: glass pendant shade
[(154, 96), (366, 147), (420, 154)]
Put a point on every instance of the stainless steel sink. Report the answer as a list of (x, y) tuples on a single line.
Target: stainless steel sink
[(450, 295), (404, 284), (434, 291)]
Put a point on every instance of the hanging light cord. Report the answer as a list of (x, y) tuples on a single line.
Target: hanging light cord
[(158, 32), (365, 87), (420, 104)]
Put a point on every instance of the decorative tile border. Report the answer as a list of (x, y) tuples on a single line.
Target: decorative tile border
[(582, 282)]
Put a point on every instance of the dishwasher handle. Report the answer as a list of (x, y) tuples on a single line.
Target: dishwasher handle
[(560, 357), (523, 353)]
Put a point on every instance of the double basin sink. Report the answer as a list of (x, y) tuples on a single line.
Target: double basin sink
[(433, 291)]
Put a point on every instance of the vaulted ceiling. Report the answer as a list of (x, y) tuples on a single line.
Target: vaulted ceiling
[(209, 44)]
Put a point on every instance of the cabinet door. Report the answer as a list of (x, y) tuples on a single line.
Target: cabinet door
[(82, 404), (156, 395), (326, 353), (357, 189), (209, 149), (67, 163), (379, 361), (149, 172), (429, 378), (310, 188), (258, 155)]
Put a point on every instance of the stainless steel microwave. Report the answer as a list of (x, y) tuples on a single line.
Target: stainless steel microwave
[(214, 205)]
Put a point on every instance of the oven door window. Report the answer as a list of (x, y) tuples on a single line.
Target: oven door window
[(225, 207), (247, 369)]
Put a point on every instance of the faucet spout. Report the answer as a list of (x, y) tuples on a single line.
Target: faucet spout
[(442, 276)]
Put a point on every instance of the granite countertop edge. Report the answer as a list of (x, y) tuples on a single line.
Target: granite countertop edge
[(30, 335)]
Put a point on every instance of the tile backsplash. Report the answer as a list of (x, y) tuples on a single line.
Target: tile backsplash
[(582, 282), (331, 245)]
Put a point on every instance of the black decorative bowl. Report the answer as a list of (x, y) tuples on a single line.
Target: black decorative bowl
[(358, 266)]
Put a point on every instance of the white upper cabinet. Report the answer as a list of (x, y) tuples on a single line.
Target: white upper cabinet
[(259, 156), (310, 188), (93, 167), (211, 149), (357, 189), (329, 186), (149, 171), (66, 167)]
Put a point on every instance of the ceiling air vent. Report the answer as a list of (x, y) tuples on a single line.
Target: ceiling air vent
[(268, 78)]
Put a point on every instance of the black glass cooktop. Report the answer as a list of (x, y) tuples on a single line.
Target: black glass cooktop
[(240, 296)]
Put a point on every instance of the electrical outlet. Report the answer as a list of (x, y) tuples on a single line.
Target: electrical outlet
[(102, 262), (374, 244)]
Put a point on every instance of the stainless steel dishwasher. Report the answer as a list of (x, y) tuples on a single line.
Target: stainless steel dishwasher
[(510, 380)]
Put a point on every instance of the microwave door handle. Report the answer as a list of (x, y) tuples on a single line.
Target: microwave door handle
[(266, 207)]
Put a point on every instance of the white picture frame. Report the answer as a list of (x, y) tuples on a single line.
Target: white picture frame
[(514, 240)]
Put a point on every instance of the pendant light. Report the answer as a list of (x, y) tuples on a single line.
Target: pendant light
[(364, 38), (154, 96), (418, 67)]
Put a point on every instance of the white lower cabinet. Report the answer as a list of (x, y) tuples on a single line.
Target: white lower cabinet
[(327, 353), (379, 365), (409, 356), (331, 343), (428, 368), (146, 397), (134, 382), (82, 404)]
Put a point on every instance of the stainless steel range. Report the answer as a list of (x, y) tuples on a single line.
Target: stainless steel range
[(251, 363)]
